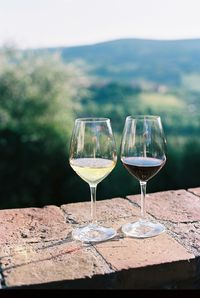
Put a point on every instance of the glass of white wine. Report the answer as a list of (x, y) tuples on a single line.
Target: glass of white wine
[(93, 156)]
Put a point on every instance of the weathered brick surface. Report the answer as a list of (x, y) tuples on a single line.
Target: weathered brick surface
[(32, 225), (146, 263), (37, 249), (174, 206), (196, 191), (133, 253), (111, 209), (49, 262), (188, 234)]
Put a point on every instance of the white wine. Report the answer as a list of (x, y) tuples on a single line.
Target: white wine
[(92, 170), (92, 156)]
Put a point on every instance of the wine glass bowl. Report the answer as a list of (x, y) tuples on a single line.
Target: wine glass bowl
[(143, 149), (93, 156)]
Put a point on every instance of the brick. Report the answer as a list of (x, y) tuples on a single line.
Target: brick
[(174, 206), (195, 191), (32, 225), (143, 263), (111, 209), (49, 262), (37, 249), (188, 234), (133, 253)]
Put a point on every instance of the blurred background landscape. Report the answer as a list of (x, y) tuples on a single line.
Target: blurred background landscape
[(43, 90)]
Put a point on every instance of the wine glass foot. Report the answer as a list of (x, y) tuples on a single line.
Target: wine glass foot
[(93, 233), (143, 229)]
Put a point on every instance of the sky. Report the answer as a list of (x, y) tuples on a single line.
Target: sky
[(51, 23)]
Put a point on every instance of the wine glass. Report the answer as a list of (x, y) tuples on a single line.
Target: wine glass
[(143, 155), (93, 156)]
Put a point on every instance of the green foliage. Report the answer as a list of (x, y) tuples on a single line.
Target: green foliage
[(40, 96), (37, 102)]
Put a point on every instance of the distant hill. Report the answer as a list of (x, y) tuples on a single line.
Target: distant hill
[(129, 60)]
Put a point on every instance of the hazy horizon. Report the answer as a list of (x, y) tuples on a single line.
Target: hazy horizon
[(66, 23), (13, 44)]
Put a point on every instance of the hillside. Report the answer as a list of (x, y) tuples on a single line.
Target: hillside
[(130, 60), (40, 97)]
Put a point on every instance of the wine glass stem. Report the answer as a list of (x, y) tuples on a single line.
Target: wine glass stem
[(143, 197), (93, 203)]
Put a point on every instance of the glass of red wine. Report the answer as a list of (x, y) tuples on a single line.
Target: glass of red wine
[(143, 154)]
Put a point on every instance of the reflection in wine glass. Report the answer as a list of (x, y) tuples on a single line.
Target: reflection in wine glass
[(93, 156), (143, 155)]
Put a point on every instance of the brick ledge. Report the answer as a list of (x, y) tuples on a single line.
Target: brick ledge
[(37, 251)]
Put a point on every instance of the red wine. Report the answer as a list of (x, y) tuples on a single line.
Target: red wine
[(143, 168)]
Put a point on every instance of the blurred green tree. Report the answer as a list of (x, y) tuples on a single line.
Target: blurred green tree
[(38, 98)]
